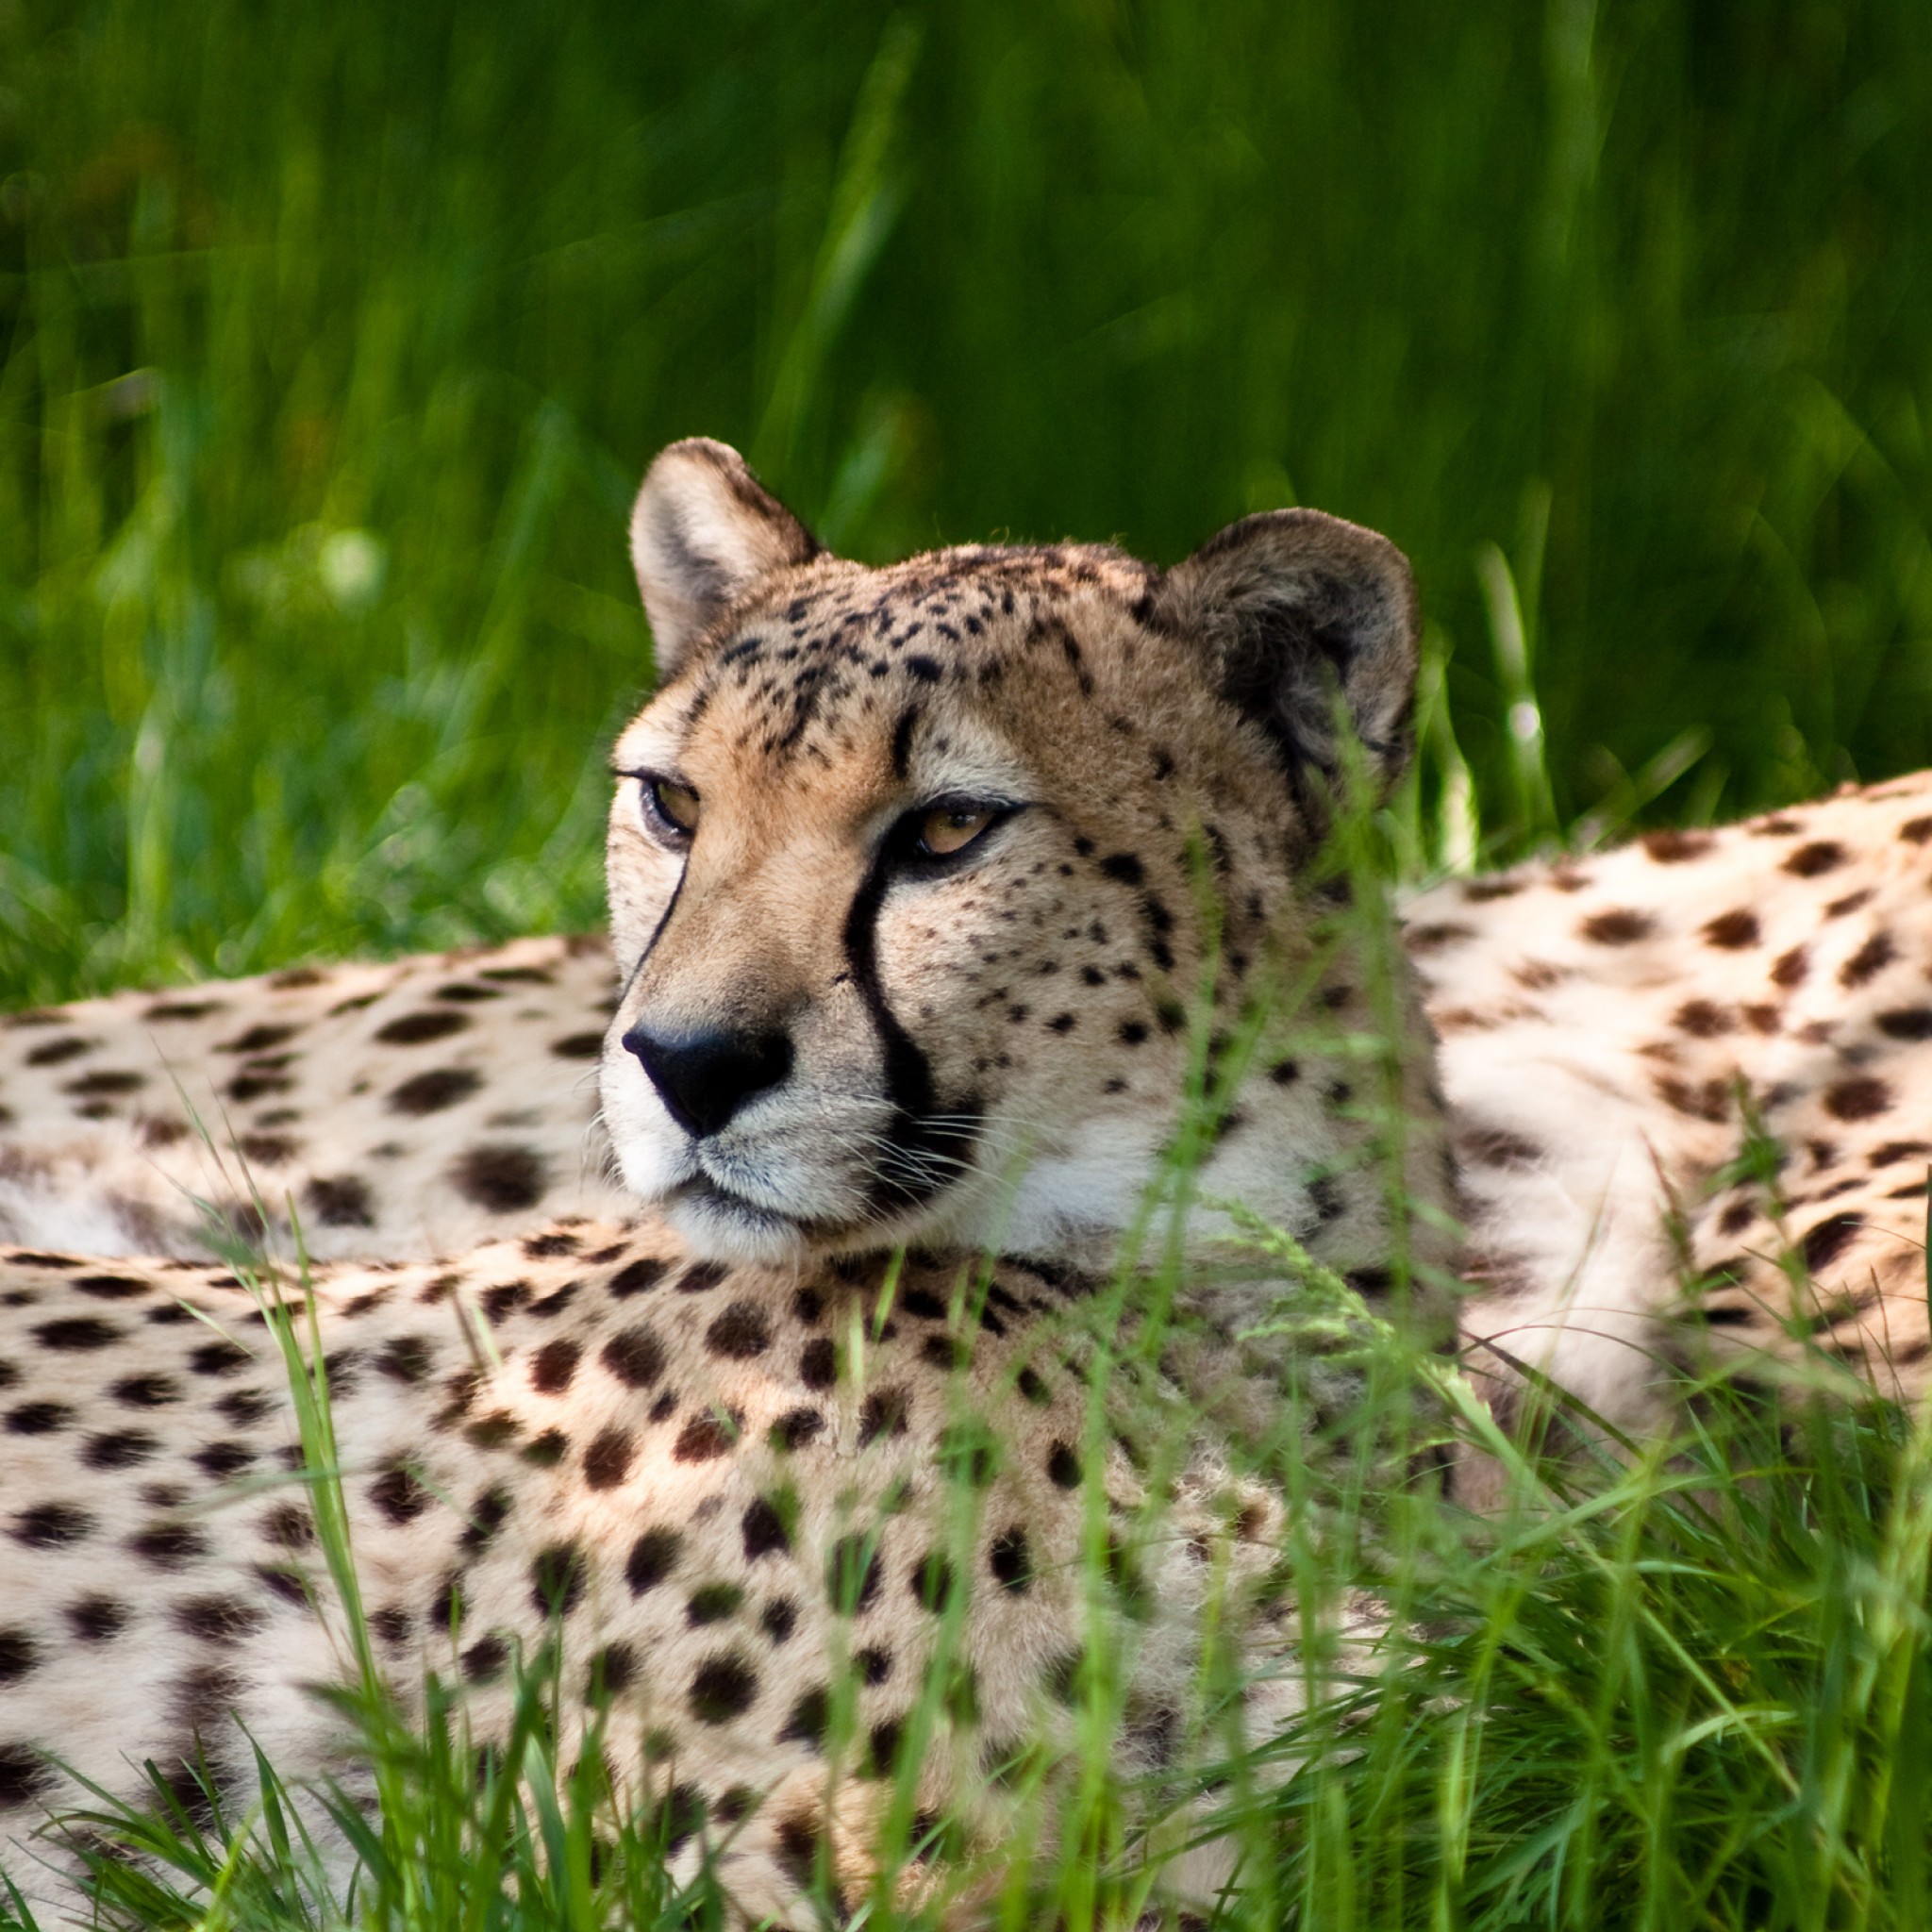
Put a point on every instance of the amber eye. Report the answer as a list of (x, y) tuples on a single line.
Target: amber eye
[(953, 826), (671, 806)]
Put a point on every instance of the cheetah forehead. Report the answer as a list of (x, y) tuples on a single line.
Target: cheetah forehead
[(938, 670)]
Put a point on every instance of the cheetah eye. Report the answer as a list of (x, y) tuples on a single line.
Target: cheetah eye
[(671, 809), (952, 825)]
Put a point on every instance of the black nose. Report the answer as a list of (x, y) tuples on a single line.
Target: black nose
[(704, 1079)]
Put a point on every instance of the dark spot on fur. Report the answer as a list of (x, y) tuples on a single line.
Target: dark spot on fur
[(51, 1526), (1872, 959), (488, 1514), (217, 1619), (146, 1391), (97, 1619), (1807, 861), (883, 1412), (110, 1287), (485, 1658), (405, 1360), (852, 1573), (168, 1545), (222, 1460), (706, 1437), (501, 1178), (1674, 848), (609, 1458), (635, 1357), (18, 1654), (1858, 1099), (398, 1494), (52, 1053), (614, 1669), (712, 1602), (219, 1358), (1907, 1023), (290, 1526), (795, 1428), (1702, 1020), (1432, 939), (430, 1092), (722, 1686), (1619, 926), (1828, 1240), (1497, 1147), (341, 1201), (556, 1579), (653, 1557), (1732, 931), (553, 1364), (39, 1417), (76, 1334), (636, 1277), (764, 1529), (739, 1333), (1009, 1561), (412, 1030), (806, 1725)]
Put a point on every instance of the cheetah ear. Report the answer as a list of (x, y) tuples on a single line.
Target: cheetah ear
[(702, 532), (1295, 606)]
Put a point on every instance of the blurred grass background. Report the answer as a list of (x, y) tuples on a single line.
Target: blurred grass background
[(335, 339)]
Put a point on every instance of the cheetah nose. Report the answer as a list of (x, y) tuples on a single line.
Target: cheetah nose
[(704, 1079)]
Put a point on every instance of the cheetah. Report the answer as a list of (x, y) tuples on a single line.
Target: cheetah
[(948, 901), (945, 900)]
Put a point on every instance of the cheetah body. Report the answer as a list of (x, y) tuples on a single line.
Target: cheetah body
[(1615, 1030), (728, 1493)]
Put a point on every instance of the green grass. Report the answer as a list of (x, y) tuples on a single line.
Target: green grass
[(333, 340)]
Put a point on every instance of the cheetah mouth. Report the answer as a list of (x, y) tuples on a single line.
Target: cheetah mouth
[(710, 1211), (702, 1190)]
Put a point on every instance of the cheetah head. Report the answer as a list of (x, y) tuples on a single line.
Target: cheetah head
[(916, 873)]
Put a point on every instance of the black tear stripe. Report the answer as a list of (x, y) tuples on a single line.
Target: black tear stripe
[(908, 1075), (657, 934)]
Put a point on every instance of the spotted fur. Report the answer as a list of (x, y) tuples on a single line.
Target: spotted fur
[(1613, 1033), (721, 1443), (728, 1493)]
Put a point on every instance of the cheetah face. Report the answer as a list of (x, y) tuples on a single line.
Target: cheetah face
[(912, 869)]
